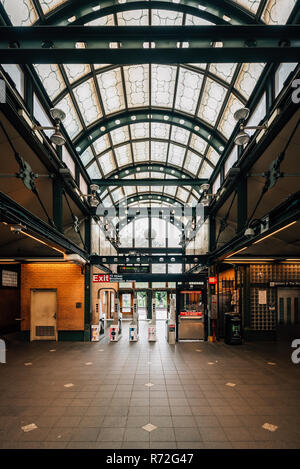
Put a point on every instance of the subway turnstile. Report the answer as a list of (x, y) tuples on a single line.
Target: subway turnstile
[(134, 325), (116, 327), (171, 323), (152, 323)]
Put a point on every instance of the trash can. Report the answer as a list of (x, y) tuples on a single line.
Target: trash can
[(233, 329)]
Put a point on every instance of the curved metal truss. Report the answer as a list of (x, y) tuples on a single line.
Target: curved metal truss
[(219, 13), (125, 221), (143, 197)]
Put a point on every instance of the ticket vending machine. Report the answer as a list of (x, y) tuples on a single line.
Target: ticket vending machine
[(152, 323), (134, 325), (171, 323), (116, 327), (191, 313)]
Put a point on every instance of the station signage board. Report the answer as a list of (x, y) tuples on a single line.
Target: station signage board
[(108, 278), (212, 280), (285, 284), (133, 269)]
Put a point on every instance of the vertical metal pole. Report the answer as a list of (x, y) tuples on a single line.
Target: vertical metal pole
[(87, 285), (242, 204)]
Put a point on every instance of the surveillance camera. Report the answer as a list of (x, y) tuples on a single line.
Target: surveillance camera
[(16, 229)]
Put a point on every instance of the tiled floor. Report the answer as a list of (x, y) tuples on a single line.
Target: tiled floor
[(190, 402)]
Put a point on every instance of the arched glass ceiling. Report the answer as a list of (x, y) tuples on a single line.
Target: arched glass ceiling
[(177, 116), (28, 12)]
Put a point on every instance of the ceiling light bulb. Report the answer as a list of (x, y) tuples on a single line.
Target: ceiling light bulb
[(241, 114), (242, 138), (57, 138)]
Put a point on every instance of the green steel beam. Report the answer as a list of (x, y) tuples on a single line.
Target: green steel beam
[(149, 182), (52, 44), (146, 259), (149, 196), (214, 12), (148, 114), (152, 167)]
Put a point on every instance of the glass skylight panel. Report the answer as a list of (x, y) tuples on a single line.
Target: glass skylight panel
[(104, 21), (133, 18), (159, 151), (170, 190), (188, 89), (198, 143), (71, 122), (101, 144), (192, 201), (87, 101), (166, 17), (192, 163), (159, 130), (93, 171), (162, 83), (49, 5), (180, 135), (20, 13), (196, 21), (157, 175), (213, 156), (232, 158), (248, 78), (76, 71), (251, 5), (117, 194), (107, 163), (205, 171), (224, 71), (212, 100), (123, 155), (51, 79), (278, 11), (86, 156), (176, 154), (228, 123), (140, 151), (140, 130), (129, 190), (119, 135), (111, 90), (137, 85), (182, 194)]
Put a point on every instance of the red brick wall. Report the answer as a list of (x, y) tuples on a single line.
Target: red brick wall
[(68, 281)]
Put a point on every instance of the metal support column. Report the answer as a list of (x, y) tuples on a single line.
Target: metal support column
[(88, 285), (57, 188), (242, 204)]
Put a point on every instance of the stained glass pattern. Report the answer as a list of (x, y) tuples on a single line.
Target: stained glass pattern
[(20, 12)]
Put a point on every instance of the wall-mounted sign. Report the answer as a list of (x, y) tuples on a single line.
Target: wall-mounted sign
[(107, 278), (101, 278), (262, 297), (141, 269), (285, 284), (9, 278), (212, 280)]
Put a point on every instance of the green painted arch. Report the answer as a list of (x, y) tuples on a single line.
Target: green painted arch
[(128, 142), (143, 168), (149, 197), (126, 221), (84, 12), (148, 115)]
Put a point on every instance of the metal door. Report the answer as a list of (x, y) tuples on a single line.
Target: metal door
[(43, 314), (288, 307)]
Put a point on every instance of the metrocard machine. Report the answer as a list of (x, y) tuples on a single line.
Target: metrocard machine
[(116, 327)]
